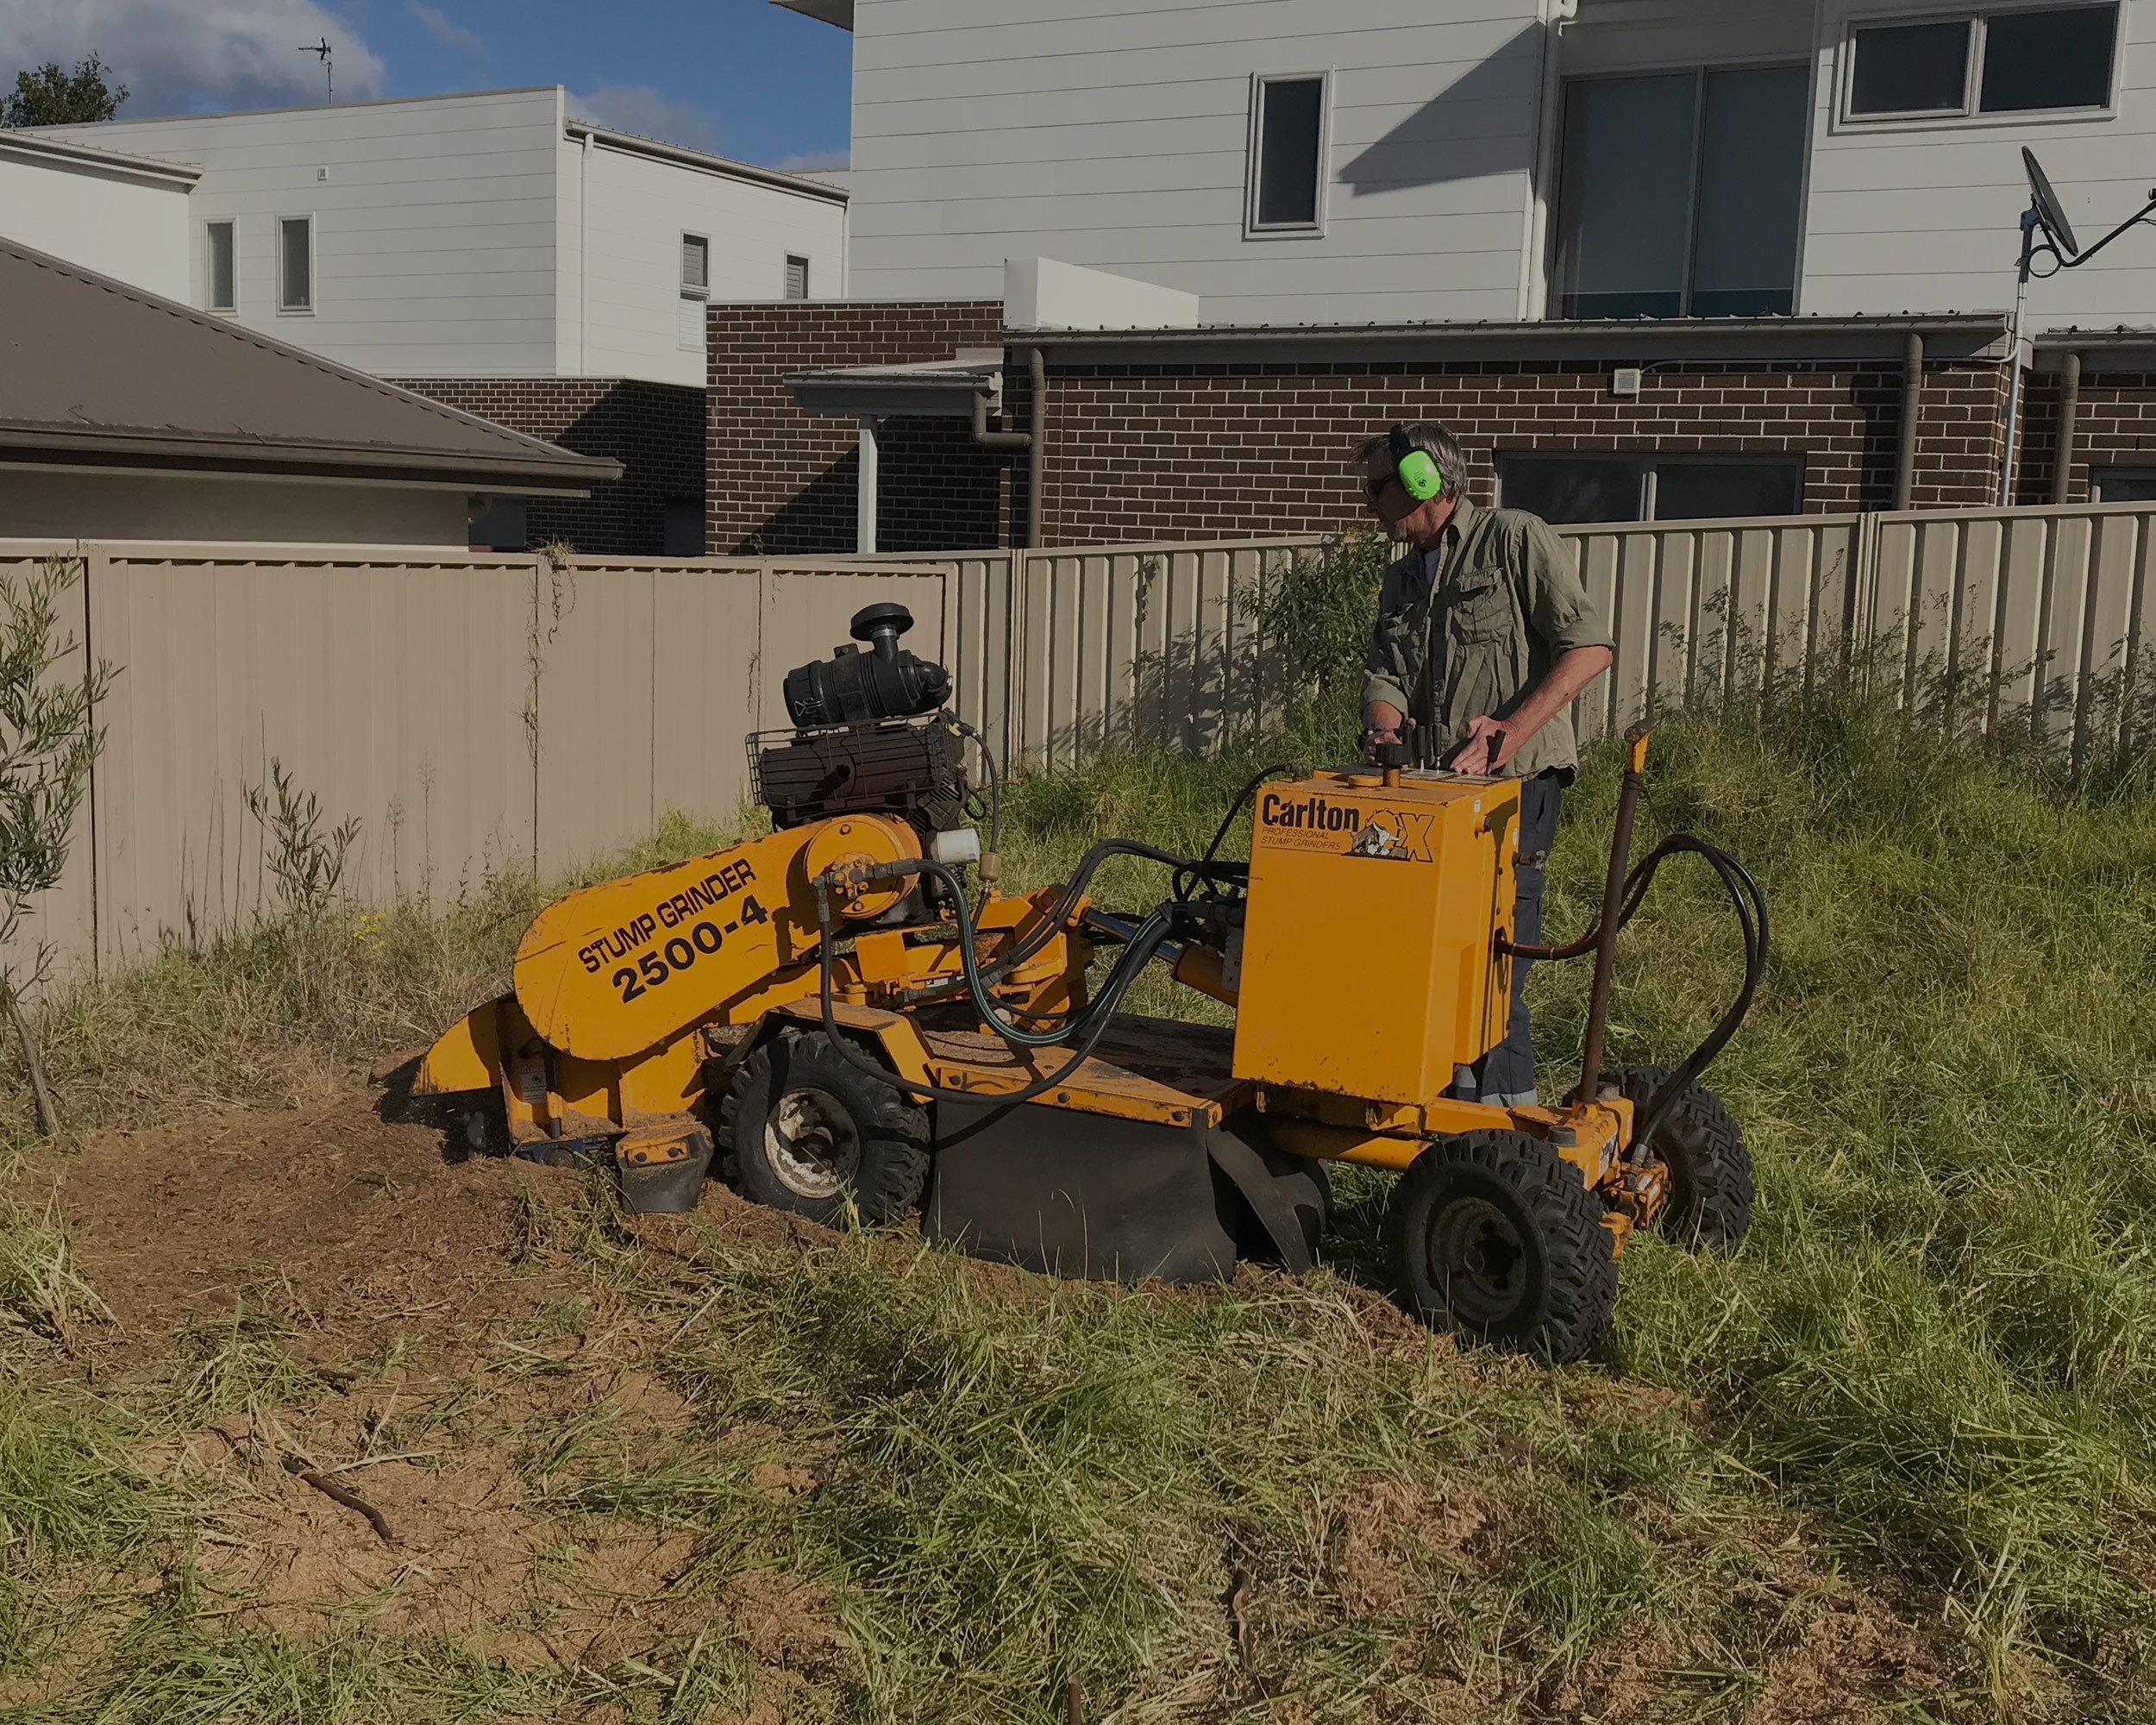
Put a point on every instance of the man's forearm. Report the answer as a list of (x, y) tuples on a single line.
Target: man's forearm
[(1574, 670)]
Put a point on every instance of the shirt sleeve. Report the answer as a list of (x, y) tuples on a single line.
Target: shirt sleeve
[(1557, 602)]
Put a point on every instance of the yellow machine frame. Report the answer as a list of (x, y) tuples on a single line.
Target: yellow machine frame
[(1372, 965)]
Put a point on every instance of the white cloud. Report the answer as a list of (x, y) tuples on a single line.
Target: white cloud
[(444, 28), (816, 161), (183, 56), (648, 112)]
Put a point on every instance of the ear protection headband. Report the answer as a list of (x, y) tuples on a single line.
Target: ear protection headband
[(1419, 474)]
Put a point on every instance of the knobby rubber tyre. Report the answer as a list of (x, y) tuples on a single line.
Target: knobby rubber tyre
[(1710, 1170), (1497, 1240), (805, 1130)]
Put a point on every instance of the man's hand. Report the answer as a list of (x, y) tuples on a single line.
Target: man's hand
[(1383, 722), (1473, 759)]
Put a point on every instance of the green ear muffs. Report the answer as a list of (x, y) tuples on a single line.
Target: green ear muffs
[(1419, 474)]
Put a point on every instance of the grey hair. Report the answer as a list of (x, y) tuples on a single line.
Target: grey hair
[(1434, 441)]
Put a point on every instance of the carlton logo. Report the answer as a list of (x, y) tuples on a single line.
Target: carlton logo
[(1345, 829), (1312, 814)]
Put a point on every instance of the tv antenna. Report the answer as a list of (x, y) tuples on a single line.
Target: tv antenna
[(2046, 216), (329, 70)]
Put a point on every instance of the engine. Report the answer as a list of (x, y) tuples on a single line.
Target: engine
[(870, 737)]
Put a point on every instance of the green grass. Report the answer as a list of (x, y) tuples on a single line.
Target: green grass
[(1939, 1345), (1922, 1389)]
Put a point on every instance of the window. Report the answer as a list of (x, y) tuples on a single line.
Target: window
[(220, 270), (796, 278), (1681, 194), (499, 527), (681, 528), (696, 288), (1991, 63), (2122, 485), (1564, 489), (1288, 154), (296, 263)]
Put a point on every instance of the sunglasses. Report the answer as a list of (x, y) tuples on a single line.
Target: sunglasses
[(1374, 487)]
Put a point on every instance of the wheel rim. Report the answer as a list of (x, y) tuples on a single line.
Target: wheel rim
[(811, 1144), (1478, 1262)]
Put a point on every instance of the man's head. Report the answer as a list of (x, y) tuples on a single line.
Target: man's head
[(1396, 464)]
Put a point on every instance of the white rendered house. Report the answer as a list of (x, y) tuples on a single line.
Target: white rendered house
[(490, 251)]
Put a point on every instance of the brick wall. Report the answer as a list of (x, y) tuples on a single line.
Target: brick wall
[(2113, 427), (656, 430), (1258, 445), (1197, 451), (783, 482)]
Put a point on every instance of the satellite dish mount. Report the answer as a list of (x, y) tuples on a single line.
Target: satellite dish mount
[(2045, 235)]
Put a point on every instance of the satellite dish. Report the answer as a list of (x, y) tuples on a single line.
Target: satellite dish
[(2048, 211)]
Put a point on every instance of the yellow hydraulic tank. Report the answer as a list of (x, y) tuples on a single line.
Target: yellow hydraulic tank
[(1368, 967)]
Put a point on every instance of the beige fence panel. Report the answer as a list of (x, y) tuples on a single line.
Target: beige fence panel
[(392, 690), (1704, 609), (651, 674), (703, 697), (2036, 617), (480, 712), (1117, 640)]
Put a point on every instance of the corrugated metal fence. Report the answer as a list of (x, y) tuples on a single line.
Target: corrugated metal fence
[(484, 712), (475, 714)]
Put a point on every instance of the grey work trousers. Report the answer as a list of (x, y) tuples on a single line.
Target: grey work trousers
[(1506, 1075)]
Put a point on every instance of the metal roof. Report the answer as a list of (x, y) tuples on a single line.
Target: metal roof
[(1947, 335), (96, 372), (936, 389), (681, 156), (65, 153)]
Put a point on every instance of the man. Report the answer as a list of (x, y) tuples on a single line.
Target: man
[(1484, 636)]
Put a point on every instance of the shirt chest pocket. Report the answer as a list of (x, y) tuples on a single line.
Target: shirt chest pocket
[(1400, 634), (1480, 607)]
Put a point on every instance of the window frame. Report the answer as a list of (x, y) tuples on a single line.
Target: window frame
[(208, 277), (785, 279), (1650, 463), (684, 292), (314, 272), (1699, 72), (1969, 113), (1253, 160)]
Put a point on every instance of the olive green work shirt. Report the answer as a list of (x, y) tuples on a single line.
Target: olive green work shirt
[(1506, 603)]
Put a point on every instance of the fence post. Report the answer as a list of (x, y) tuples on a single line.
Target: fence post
[(1014, 637)]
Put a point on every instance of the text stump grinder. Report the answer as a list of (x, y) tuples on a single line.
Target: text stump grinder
[(851, 1029)]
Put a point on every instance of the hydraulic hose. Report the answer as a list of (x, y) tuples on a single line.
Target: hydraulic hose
[(1227, 820), (1081, 877), (1750, 903), (1092, 1029)]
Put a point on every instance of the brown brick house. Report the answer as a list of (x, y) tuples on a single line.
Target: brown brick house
[(1179, 434)]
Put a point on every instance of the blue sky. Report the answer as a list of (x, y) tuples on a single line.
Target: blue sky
[(741, 77)]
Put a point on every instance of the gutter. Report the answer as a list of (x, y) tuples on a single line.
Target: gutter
[(630, 144), (35, 146), (22, 446)]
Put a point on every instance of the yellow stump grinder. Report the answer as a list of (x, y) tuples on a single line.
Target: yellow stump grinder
[(850, 1028)]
